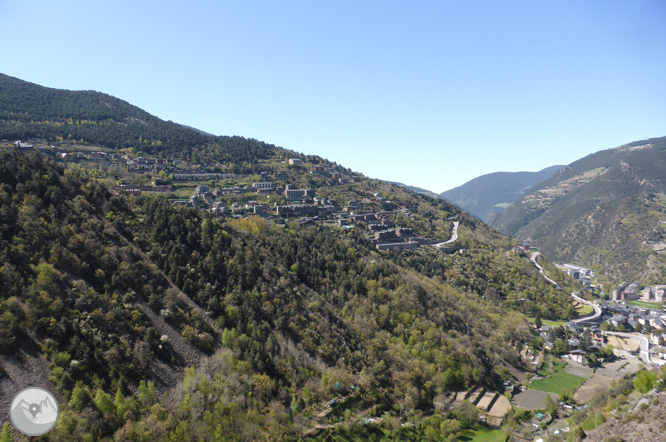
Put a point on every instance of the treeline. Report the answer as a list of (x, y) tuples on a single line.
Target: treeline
[(31, 111)]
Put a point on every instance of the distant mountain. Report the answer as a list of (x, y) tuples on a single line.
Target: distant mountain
[(607, 210), (488, 195), (415, 189)]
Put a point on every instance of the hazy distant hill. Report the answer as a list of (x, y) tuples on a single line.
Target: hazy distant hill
[(415, 189), (607, 209), (488, 195)]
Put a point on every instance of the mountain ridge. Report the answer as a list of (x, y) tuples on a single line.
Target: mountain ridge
[(599, 209), (487, 195)]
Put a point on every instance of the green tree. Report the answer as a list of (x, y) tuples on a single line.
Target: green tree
[(537, 320), (549, 405), (466, 413), (560, 346), (449, 427), (606, 351), (104, 403), (79, 397), (645, 381), (565, 395), (6, 434)]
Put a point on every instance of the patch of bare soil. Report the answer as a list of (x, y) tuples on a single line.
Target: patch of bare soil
[(501, 407), (532, 399), (622, 343), (593, 386)]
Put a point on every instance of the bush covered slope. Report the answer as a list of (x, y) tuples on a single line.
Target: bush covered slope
[(270, 318)]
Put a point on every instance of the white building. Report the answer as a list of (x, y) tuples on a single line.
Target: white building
[(262, 185)]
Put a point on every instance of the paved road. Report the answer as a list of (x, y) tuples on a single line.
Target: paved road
[(642, 341), (597, 309), (533, 258), (454, 236)]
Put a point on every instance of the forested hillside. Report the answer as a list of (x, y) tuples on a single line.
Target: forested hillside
[(121, 295), (153, 321), (606, 211)]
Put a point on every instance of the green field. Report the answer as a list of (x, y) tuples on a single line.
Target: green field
[(597, 170), (584, 310), (557, 383), (484, 434), (654, 305), (547, 322)]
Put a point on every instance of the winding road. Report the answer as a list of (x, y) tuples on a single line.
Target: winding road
[(533, 258), (597, 309), (642, 341), (454, 236)]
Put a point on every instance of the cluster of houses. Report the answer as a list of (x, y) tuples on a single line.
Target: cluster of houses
[(580, 274), (310, 208), (632, 292), (631, 316), (627, 292), (579, 343), (384, 236), (325, 171), (655, 293), (136, 189)]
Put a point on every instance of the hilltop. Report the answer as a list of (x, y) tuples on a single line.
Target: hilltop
[(230, 312), (488, 195), (606, 211), (30, 111)]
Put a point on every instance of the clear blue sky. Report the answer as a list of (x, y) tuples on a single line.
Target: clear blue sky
[(429, 93)]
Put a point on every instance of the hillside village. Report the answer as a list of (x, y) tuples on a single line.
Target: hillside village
[(268, 194)]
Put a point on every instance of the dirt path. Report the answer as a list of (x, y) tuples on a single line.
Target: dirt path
[(185, 353), (454, 236), (164, 374)]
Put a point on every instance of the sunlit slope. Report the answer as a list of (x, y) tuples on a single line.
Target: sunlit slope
[(605, 209)]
